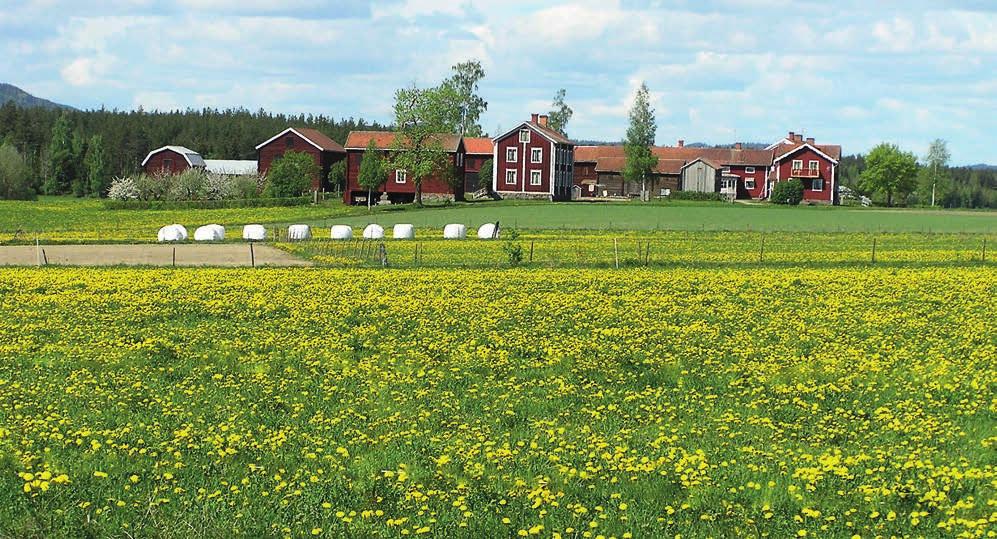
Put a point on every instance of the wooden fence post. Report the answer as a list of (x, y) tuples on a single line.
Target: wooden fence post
[(174, 257), (38, 251), (761, 250), (44, 258), (616, 252), (531, 251), (874, 250), (252, 255), (984, 249)]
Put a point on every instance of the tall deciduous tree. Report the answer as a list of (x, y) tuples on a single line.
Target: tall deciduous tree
[(421, 116), (291, 175), (937, 161), (95, 163), (60, 158), (560, 113), (889, 170), (15, 175), (467, 105), (371, 169), (640, 160)]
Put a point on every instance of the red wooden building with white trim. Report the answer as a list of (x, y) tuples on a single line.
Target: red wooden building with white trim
[(171, 160), (815, 165), (533, 161), (320, 147), (399, 187)]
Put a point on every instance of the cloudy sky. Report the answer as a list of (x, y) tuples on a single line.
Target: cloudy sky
[(719, 70)]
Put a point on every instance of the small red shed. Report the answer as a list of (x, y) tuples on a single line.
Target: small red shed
[(479, 150), (325, 151), (171, 160)]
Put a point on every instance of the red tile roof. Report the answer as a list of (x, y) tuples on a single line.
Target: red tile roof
[(616, 165), (320, 139), (478, 145), (385, 140), (723, 156), (550, 133)]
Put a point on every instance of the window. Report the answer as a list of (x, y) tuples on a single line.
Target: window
[(511, 155), (289, 142), (167, 164), (401, 176), (817, 184), (797, 164), (460, 159), (535, 177), (727, 184), (749, 183), (510, 177), (814, 166), (749, 170), (726, 170), (524, 135), (537, 155)]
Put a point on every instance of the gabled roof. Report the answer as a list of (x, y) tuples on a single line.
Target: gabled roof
[(231, 167), (709, 162), (193, 158), (478, 145), (616, 165), (385, 140), (545, 132), (831, 152), (312, 136), (723, 156)]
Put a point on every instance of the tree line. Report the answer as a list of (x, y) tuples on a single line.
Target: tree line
[(55, 151)]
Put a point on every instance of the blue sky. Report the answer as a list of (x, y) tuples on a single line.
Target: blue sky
[(719, 71)]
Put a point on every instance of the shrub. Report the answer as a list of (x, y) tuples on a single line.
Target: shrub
[(513, 249), (695, 195), (788, 192), (155, 187), (134, 204), (191, 184), (15, 175), (291, 175), (123, 189)]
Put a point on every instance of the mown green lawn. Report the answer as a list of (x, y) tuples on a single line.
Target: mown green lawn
[(688, 216), (71, 219)]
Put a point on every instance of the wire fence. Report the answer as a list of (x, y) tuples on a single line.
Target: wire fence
[(678, 249)]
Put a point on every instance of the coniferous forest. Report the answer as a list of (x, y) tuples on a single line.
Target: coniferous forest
[(125, 137)]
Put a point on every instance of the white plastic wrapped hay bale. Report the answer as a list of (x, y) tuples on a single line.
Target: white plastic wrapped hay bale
[(299, 232), (373, 232), (454, 231), (171, 233), (341, 232), (403, 232), (488, 231), (254, 233), (209, 233)]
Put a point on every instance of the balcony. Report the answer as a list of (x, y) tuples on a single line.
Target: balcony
[(805, 173)]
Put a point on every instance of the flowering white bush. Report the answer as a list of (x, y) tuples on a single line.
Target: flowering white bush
[(123, 189)]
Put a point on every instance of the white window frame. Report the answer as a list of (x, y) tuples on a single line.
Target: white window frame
[(536, 177), (813, 166), (749, 184), (749, 170), (510, 177), (534, 152), (524, 135), (512, 154), (726, 170), (815, 181), (795, 167), (401, 176)]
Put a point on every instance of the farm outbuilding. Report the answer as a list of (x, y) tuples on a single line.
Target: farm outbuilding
[(231, 167), (325, 151), (479, 150), (398, 186), (171, 160)]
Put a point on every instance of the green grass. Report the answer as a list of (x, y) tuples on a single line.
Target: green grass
[(690, 216)]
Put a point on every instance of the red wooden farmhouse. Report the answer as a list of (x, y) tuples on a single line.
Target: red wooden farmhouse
[(479, 151), (321, 148), (533, 161), (397, 184), (816, 165), (171, 160)]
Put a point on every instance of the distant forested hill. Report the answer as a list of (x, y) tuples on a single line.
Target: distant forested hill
[(12, 94), (129, 135)]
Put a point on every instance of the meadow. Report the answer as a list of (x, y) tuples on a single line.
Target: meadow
[(774, 402)]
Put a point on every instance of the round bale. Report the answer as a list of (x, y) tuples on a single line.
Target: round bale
[(454, 231), (254, 233), (209, 233), (403, 232), (341, 232), (299, 232), (373, 232), (488, 231)]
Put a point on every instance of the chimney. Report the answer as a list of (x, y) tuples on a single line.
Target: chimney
[(737, 146), (810, 140), (535, 118), (681, 143), (543, 120), (792, 136), (799, 138)]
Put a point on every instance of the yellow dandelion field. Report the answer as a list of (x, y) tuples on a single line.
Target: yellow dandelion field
[(744, 401)]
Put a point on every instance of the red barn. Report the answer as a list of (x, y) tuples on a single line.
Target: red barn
[(815, 165), (321, 148), (479, 150), (171, 160), (399, 187), (533, 161)]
